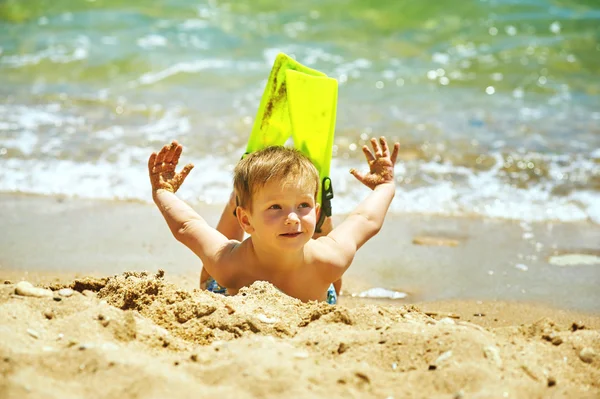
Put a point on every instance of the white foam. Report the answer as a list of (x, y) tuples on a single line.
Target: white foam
[(170, 125), (382, 293), (119, 171), (26, 142), (152, 41), (56, 53), (193, 24), (182, 67), (589, 201), (29, 118), (127, 179), (574, 260)]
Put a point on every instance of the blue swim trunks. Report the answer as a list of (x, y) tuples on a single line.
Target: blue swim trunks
[(213, 286)]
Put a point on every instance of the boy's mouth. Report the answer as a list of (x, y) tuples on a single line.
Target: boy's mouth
[(291, 235)]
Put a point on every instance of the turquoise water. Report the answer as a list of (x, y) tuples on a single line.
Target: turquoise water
[(496, 103)]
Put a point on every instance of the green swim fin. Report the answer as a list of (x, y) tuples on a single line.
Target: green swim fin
[(312, 109), (272, 123), (299, 102)]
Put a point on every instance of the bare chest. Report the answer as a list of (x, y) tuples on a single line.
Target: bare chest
[(301, 283)]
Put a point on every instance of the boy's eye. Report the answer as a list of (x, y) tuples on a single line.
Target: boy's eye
[(304, 205), (275, 206)]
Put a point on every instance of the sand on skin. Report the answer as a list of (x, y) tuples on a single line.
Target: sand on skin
[(139, 335)]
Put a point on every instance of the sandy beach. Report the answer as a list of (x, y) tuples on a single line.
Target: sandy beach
[(101, 326), (484, 281)]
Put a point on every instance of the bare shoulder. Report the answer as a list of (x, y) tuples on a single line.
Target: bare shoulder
[(237, 253), (229, 263)]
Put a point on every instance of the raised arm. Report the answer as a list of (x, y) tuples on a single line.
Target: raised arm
[(367, 218), (187, 226)]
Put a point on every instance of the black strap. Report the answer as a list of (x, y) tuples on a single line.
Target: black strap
[(326, 197)]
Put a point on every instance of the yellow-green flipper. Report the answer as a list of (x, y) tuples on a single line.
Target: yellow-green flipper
[(302, 103)]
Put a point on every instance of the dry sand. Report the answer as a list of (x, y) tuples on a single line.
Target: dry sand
[(468, 328), (138, 335)]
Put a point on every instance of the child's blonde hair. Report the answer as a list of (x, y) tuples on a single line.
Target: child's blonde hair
[(274, 163)]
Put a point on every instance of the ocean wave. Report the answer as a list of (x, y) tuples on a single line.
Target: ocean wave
[(482, 194)]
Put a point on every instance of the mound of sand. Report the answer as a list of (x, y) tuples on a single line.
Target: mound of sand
[(137, 335)]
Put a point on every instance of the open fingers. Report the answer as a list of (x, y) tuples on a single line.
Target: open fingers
[(151, 162), (177, 154), (160, 158), (385, 150), (183, 174), (359, 176), (395, 153), (376, 147), (368, 154), (172, 150)]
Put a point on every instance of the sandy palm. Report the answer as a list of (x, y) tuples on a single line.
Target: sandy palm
[(162, 166), (381, 164)]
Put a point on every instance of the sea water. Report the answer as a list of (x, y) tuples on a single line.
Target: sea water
[(495, 103)]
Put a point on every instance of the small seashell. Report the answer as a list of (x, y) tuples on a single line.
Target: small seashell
[(492, 353), (301, 355), (587, 355), (384, 293), (25, 288), (443, 357), (66, 292), (110, 346), (447, 320), (522, 267), (266, 320), (33, 333)]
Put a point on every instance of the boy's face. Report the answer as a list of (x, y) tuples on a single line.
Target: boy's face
[(283, 215)]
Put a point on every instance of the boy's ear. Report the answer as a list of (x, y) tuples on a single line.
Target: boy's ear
[(318, 210), (244, 219)]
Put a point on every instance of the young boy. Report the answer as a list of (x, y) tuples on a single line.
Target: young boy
[(276, 189)]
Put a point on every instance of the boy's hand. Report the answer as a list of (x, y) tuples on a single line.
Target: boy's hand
[(381, 164), (162, 168)]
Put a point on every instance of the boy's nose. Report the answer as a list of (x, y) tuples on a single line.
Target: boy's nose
[(292, 218)]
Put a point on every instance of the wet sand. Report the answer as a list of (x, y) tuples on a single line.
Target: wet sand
[(493, 260)]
